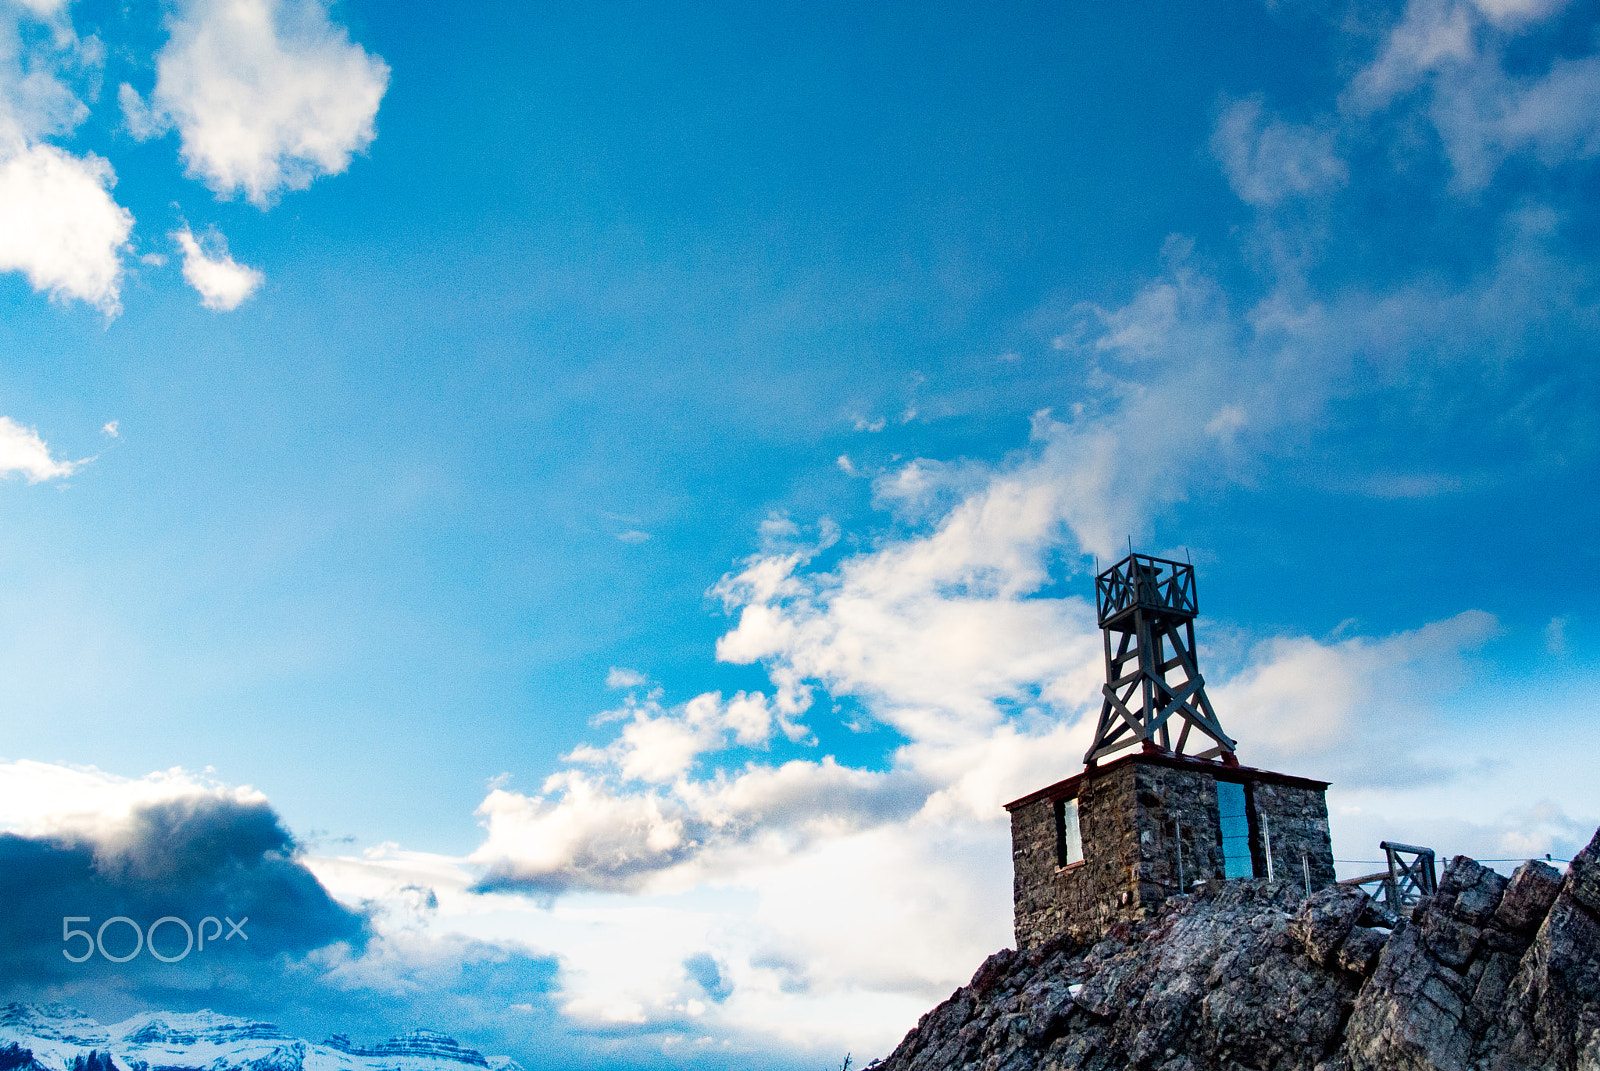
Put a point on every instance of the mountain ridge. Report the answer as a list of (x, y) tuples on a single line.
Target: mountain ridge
[(57, 1037)]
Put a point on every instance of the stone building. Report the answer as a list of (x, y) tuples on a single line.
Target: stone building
[(1112, 842)]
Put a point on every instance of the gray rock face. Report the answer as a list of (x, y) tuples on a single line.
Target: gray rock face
[(1323, 922), (1490, 974), (1551, 1010)]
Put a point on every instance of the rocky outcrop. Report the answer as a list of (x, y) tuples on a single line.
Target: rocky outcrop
[(1490, 974), (417, 1043), (14, 1057), (94, 1061)]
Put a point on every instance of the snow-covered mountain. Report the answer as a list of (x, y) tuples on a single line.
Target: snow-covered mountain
[(55, 1037)]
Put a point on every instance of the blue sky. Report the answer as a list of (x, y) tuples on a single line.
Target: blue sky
[(621, 468)]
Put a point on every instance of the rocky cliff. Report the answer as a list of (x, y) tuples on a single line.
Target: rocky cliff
[(1490, 974)]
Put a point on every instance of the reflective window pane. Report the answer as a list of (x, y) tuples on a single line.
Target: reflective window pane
[(1235, 831), (1069, 843)]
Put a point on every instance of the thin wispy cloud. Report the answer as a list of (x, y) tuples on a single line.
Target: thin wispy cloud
[(1450, 58), (618, 677)]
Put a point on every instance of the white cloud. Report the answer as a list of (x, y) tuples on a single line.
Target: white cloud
[(588, 837), (1431, 34), (39, 799), (22, 451), (222, 283), (1352, 710), (1453, 51), (111, 428), (36, 100), (60, 227), (1515, 12), (266, 95), (937, 624), (1268, 160), (142, 121), (1555, 636), (619, 677), (1484, 116)]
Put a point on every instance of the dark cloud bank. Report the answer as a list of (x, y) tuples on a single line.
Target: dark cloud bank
[(207, 857)]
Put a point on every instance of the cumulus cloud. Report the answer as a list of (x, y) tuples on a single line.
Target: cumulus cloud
[(625, 814), (60, 227), (80, 842), (928, 628), (23, 452), (941, 635), (223, 284), (44, 800), (266, 95)]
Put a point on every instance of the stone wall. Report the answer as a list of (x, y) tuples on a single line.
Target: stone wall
[(1177, 820), (1297, 823), (1086, 897), (1150, 829)]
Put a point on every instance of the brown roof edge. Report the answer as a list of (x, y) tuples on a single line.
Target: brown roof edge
[(1064, 788)]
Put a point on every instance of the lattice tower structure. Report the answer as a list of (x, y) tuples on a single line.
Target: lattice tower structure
[(1147, 608)]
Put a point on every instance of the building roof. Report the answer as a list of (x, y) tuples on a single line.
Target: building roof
[(1175, 762)]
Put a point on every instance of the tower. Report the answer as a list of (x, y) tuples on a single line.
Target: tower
[(1138, 826), (1149, 604)]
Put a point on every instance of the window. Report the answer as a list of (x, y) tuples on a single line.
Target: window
[(1235, 831), (1069, 843)]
